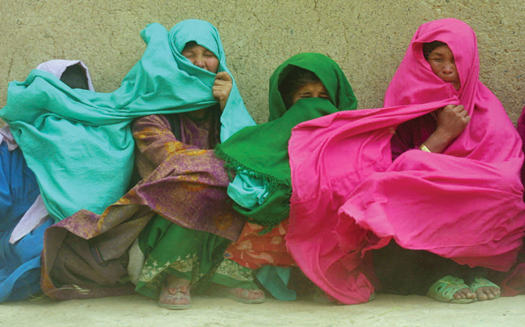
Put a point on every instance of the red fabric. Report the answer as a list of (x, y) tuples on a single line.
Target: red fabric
[(254, 251)]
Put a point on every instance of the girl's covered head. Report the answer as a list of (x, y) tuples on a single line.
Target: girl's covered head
[(73, 73), (441, 62), (300, 84), (193, 42), (75, 77), (201, 56), (309, 75)]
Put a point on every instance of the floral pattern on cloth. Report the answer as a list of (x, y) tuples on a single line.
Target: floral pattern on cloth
[(231, 269), (190, 264), (150, 271), (253, 250)]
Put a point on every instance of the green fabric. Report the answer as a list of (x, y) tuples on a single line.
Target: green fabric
[(79, 143), (262, 151), (275, 280), (195, 258), (198, 258), (231, 274)]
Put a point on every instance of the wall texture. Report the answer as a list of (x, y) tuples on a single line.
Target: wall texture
[(367, 38)]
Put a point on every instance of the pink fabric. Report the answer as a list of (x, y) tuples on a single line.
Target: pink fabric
[(349, 197), (520, 127)]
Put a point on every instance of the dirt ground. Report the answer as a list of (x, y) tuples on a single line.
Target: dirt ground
[(215, 311)]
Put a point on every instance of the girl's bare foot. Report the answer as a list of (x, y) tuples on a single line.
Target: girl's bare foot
[(485, 289), (450, 289), (488, 293), (464, 293)]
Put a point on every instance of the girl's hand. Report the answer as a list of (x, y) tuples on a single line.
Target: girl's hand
[(451, 121), (222, 87)]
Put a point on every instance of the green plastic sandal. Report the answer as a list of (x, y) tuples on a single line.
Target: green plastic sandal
[(483, 282), (444, 289)]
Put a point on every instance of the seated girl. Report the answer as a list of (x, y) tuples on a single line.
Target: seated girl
[(23, 217), (188, 101), (258, 155), (179, 258), (402, 271), (430, 182)]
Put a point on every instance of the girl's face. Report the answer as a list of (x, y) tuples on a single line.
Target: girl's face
[(310, 90), (442, 62), (201, 57)]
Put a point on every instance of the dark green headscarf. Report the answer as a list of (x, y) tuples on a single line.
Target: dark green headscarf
[(262, 150)]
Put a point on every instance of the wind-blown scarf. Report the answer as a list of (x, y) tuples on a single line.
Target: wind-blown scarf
[(262, 151), (79, 143), (464, 204)]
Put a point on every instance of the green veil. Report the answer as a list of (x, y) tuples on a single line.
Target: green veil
[(261, 152), (79, 143)]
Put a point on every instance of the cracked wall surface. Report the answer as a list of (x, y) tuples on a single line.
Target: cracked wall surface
[(367, 38)]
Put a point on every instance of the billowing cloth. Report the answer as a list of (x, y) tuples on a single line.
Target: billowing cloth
[(89, 148), (23, 217), (465, 204), (182, 181), (261, 151)]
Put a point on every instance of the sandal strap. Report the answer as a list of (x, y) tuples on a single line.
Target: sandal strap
[(177, 289), (481, 282), (444, 289)]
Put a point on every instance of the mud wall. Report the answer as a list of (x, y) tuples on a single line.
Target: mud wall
[(367, 38)]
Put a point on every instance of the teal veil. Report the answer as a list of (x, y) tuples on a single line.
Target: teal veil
[(79, 143)]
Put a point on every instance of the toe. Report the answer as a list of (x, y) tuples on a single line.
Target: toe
[(464, 293), (482, 294)]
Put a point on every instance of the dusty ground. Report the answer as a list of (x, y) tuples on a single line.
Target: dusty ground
[(385, 310)]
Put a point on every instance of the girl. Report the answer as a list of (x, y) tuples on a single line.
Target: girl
[(446, 183), (306, 86)]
